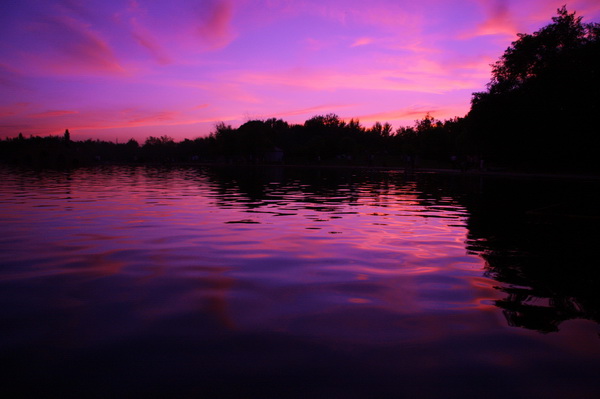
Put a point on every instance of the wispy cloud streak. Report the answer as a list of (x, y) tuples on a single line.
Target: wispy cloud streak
[(52, 114), (68, 46)]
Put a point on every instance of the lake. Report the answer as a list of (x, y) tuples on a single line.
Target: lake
[(196, 282)]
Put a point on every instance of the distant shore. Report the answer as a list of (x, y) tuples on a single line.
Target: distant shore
[(488, 172)]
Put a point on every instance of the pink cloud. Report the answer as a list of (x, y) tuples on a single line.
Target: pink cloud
[(499, 18), (424, 76), (50, 122), (13, 109), (505, 18), (146, 40), (362, 42), (413, 112), (308, 111), (71, 47), (408, 115), (52, 114), (471, 68), (540, 12), (173, 32), (134, 117), (214, 23), (499, 23)]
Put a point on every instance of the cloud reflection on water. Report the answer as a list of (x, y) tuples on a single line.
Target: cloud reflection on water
[(135, 263)]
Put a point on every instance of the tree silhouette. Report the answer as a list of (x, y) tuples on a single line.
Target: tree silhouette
[(536, 112), (537, 246), (537, 107)]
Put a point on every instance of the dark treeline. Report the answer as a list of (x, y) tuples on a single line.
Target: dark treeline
[(321, 140), (537, 112)]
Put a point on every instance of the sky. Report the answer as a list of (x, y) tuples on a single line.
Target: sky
[(120, 69)]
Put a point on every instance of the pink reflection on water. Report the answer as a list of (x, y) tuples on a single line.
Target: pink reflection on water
[(365, 260), (168, 265)]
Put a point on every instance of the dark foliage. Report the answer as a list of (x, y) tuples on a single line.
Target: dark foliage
[(537, 113), (323, 139), (539, 105)]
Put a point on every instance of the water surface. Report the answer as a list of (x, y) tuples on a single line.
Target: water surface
[(193, 282)]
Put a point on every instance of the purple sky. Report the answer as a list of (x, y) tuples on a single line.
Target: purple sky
[(117, 69)]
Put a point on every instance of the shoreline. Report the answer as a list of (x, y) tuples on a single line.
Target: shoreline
[(501, 172)]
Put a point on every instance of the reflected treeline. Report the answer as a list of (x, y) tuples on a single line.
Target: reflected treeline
[(257, 184), (538, 238), (255, 187), (533, 115)]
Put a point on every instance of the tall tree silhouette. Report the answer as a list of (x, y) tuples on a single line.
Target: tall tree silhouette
[(537, 106)]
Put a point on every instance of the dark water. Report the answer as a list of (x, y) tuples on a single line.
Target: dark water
[(302, 283)]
